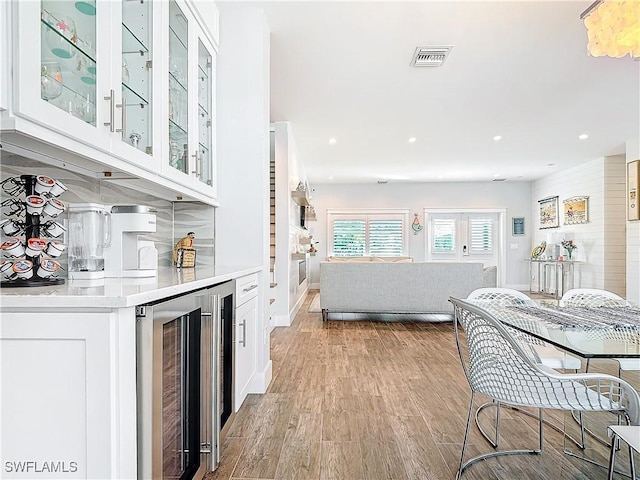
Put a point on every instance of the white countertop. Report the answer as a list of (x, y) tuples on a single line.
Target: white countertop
[(119, 292)]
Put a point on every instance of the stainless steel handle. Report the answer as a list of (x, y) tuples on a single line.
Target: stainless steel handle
[(205, 447), (248, 289), (243, 342), (198, 164), (112, 110), (123, 118)]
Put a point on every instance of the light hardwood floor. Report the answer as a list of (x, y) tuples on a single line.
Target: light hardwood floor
[(369, 399)]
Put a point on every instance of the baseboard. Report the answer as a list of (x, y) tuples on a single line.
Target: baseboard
[(280, 321), (261, 380), (314, 286), (522, 288), (296, 308)]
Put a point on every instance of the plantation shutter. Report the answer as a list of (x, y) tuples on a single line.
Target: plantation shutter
[(349, 238), (444, 233), (481, 233), (386, 237)]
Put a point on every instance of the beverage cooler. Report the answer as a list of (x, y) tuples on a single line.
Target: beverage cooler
[(185, 382)]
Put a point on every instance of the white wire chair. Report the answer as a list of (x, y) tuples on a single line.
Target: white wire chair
[(542, 352), (593, 297), (495, 365), (494, 299)]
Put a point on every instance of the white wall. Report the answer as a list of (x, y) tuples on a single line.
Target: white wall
[(515, 197), (600, 241), (242, 220), (633, 237), (289, 293)]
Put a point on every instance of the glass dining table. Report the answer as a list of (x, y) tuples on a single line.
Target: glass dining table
[(597, 335)]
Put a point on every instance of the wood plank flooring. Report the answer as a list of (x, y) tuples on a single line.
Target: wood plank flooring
[(371, 400)]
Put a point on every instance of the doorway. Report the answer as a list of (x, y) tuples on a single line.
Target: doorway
[(467, 235)]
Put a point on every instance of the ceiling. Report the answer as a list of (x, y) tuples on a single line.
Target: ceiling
[(518, 69)]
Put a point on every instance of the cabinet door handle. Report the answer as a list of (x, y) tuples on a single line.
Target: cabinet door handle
[(123, 118), (243, 342), (198, 162), (248, 289), (112, 111)]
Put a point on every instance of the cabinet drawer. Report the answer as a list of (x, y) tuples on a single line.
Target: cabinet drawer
[(246, 288)]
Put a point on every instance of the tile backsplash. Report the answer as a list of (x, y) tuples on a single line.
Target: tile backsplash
[(174, 220)]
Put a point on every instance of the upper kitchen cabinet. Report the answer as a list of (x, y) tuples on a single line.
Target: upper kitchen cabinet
[(191, 87), (128, 87), (90, 76)]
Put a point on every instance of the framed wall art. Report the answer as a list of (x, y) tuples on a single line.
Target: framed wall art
[(576, 210), (633, 177), (548, 208), (517, 226)]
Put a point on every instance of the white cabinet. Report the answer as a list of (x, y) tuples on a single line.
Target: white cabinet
[(191, 85), (130, 81), (65, 404), (90, 76), (247, 289)]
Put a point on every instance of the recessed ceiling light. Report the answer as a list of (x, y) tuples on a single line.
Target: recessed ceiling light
[(440, 176), (497, 137), (496, 175), (412, 139), (332, 141), (330, 178), (583, 136)]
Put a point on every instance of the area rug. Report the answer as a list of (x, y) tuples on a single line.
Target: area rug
[(314, 305)]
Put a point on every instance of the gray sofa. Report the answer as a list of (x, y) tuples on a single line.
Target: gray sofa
[(402, 287)]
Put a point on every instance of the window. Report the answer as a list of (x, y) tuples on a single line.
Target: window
[(376, 233), (481, 233), (444, 234)]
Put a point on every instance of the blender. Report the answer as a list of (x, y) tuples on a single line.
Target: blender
[(89, 234)]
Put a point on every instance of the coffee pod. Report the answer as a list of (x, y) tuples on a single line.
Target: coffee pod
[(58, 189), (35, 247), (13, 248), (43, 184), (5, 268), (23, 268), (35, 204), (10, 227), (53, 229), (54, 249), (47, 267), (53, 207)]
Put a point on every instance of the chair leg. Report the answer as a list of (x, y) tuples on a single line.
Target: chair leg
[(612, 457), (541, 424), (466, 435)]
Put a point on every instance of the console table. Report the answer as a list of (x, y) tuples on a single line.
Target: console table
[(560, 274)]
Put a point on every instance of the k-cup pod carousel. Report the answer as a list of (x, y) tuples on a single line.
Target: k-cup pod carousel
[(29, 230)]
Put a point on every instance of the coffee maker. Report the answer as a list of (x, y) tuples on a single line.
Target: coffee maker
[(128, 255)]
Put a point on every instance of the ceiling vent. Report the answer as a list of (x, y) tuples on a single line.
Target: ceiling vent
[(433, 56), (499, 179)]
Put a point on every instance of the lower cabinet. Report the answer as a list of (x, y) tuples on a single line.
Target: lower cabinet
[(60, 413), (246, 336)]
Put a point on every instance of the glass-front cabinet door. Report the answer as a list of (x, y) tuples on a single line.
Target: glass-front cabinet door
[(205, 160), (136, 77), (178, 89), (191, 94), (58, 78), (68, 62)]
